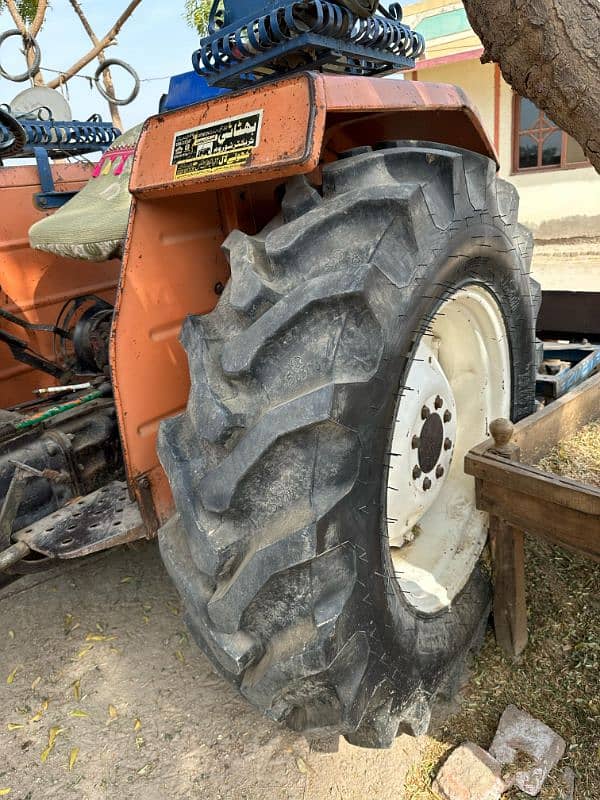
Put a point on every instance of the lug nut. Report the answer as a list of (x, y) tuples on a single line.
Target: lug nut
[(415, 442), (438, 402), (447, 444), (416, 472), (447, 416), (439, 473), (426, 484), (425, 412)]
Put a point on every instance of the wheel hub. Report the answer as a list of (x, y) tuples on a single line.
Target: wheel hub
[(458, 380), (422, 449), (431, 441)]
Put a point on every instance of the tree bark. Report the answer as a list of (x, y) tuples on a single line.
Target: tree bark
[(107, 77), (106, 40), (549, 52), (40, 15)]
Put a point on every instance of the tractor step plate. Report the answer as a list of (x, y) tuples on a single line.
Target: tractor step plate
[(105, 518)]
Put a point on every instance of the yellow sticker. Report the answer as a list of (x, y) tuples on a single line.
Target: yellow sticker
[(220, 146)]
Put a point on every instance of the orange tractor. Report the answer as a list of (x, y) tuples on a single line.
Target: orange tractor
[(322, 302)]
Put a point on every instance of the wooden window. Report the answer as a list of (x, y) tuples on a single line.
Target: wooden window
[(539, 144)]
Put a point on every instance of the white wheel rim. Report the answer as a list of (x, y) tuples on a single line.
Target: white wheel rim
[(458, 382)]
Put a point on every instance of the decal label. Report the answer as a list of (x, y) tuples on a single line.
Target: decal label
[(216, 147)]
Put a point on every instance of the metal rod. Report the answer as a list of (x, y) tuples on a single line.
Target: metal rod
[(76, 387), (12, 555), (53, 412)]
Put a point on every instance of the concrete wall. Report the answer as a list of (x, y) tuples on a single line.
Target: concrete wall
[(562, 207)]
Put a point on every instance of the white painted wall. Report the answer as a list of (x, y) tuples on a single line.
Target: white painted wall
[(562, 207)]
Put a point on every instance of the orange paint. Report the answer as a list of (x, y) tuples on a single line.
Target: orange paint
[(35, 285), (293, 117), (173, 259), (172, 263)]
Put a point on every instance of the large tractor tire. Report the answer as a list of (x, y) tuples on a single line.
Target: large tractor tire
[(327, 545)]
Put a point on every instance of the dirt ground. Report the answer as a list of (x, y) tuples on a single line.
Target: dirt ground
[(98, 659), (103, 696)]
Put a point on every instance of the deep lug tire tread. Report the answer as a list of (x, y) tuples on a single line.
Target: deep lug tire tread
[(272, 464)]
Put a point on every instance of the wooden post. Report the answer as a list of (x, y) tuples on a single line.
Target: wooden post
[(510, 604), (508, 554)]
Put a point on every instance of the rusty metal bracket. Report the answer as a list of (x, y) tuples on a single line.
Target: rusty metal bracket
[(147, 509), (10, 506)]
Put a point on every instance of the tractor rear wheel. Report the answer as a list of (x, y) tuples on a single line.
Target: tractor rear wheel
[(327, 544)]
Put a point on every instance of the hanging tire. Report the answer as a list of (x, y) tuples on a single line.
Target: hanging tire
[(327, 545)]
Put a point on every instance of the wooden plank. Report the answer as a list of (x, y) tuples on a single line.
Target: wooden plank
[(510, 608), (514, 476), (537, 434), (522, 498), (537, 516)]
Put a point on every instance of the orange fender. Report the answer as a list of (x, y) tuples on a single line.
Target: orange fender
[(207, 169)]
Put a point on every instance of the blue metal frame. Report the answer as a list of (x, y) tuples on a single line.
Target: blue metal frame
[(584, 360), (48, 199), (187, 89), (254, 41), (59, 139)]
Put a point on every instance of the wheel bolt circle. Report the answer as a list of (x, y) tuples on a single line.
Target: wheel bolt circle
[(438, 402), (415, 442), (425, 412), (447, 444), (447, 416), (439, 473), (416, 472), (427, 484)]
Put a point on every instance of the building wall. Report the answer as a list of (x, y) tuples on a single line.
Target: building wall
[(476, 79), (561, 207), (555, 204), (444, 25)]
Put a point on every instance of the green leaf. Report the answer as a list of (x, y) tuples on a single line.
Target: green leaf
[(27, 9), (197, 13)]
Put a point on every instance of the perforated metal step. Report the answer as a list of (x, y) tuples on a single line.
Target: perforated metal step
[(89, 524)]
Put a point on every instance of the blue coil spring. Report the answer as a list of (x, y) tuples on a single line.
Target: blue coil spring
[(73, 138), (281, 25)]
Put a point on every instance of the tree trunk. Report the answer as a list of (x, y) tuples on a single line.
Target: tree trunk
[(105, 42), (549, 52)]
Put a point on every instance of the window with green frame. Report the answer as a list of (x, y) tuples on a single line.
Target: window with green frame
[(539, 143)]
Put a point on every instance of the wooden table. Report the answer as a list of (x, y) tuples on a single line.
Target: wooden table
[(523, 499)]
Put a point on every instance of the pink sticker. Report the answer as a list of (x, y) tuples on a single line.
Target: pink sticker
[(121, 155)]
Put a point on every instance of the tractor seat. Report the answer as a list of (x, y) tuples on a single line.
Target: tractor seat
[(92, 226)]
